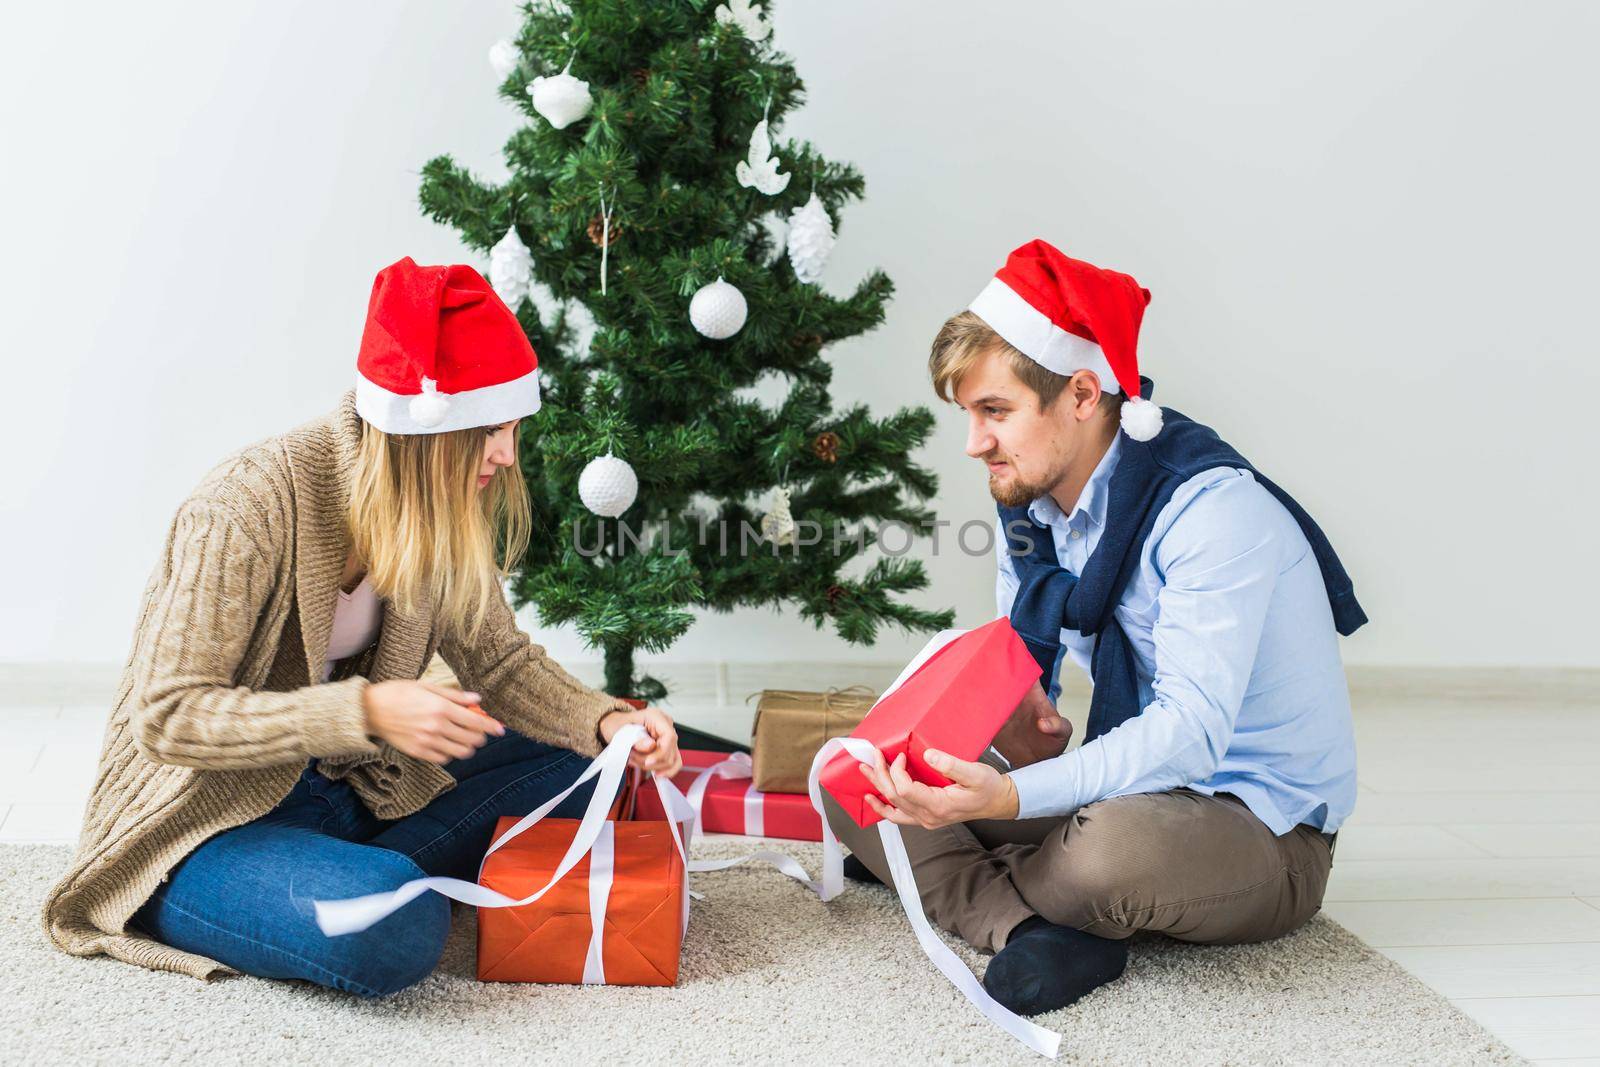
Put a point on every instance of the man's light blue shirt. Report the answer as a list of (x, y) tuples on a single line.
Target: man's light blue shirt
[(1237, 659)]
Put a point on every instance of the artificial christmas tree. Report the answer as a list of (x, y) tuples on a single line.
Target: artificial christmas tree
[(647, 172)]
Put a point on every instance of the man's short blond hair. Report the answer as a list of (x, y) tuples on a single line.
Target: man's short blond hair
[(965, 339)]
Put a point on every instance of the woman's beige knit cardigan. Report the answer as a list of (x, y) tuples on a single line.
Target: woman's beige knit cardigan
[(217, 714)]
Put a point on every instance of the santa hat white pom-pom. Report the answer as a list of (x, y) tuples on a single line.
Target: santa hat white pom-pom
[(1141, 419), (428, 407)]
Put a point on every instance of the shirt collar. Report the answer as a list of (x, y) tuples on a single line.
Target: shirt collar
[(1091, 500)]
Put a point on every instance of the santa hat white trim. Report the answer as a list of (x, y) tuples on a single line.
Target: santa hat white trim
[(488, 406), (1030, 331)]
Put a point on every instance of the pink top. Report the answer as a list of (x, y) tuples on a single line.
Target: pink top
[(356, 618)]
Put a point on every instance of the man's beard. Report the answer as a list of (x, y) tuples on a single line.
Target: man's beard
[(1015, 492)]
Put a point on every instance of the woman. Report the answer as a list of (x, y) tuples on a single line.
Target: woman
[(272, 741)]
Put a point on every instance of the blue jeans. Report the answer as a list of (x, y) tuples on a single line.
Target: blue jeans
[(244, 896)]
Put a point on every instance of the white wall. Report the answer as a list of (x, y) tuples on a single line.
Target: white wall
[(1369, 228)]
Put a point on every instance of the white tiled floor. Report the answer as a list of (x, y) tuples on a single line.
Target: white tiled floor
[(1473, 858)]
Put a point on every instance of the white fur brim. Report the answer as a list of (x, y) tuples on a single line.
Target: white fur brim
[(1030, 331), (488, 406)]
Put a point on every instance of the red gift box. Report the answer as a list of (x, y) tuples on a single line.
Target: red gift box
[(955, 701), (641, 896), (734, 806)]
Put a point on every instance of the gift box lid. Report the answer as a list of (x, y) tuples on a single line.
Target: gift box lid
[(955, 701), (988, 655), (644, 852)]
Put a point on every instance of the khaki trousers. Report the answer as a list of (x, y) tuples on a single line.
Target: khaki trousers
[(1194, 867)]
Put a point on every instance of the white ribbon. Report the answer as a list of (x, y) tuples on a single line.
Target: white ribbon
[(755, 819), (738, 767), (735, 766), (602, 866), (355, 914), (1036, 1037)]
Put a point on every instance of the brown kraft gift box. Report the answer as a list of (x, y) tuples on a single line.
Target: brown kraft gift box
[(792, 724)]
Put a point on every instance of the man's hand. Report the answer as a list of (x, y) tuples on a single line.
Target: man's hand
[(436, 723), (978, 791), (1035, 731), (657, 751)]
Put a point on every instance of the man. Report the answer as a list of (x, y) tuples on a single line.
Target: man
[(1219, 758)]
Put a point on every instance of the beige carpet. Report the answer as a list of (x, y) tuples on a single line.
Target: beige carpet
[(770, 975)]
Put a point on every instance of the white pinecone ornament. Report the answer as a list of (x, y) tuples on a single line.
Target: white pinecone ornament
[(810, 240), (511, 269), (608, 486), (561, 99), (718, 310), (777, 525), (503, 58), (759, 170)]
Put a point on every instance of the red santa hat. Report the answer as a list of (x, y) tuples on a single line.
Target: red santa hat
[(442, 352), (1067, 315)]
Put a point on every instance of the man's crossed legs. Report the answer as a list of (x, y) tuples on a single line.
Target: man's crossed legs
[(1194, 867)]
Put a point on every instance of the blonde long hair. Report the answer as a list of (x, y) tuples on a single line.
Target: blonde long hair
[(419, 522)]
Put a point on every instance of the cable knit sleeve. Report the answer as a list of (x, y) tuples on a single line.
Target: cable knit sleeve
[(524, 687), (201, 608)]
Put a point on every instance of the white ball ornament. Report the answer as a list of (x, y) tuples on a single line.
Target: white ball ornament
[(429, 407), (608, 486), (504, 57), (718, 310), (561, 99)]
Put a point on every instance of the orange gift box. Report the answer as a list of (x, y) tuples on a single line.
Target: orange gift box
[(550, 939)]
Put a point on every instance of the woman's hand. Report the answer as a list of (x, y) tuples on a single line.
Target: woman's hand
[(431, 722), (657, 751)]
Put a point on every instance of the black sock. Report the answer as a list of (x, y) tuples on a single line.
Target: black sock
[(858, 871), (1044, 967)]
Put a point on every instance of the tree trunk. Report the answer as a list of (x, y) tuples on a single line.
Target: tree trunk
[(619, 669)]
